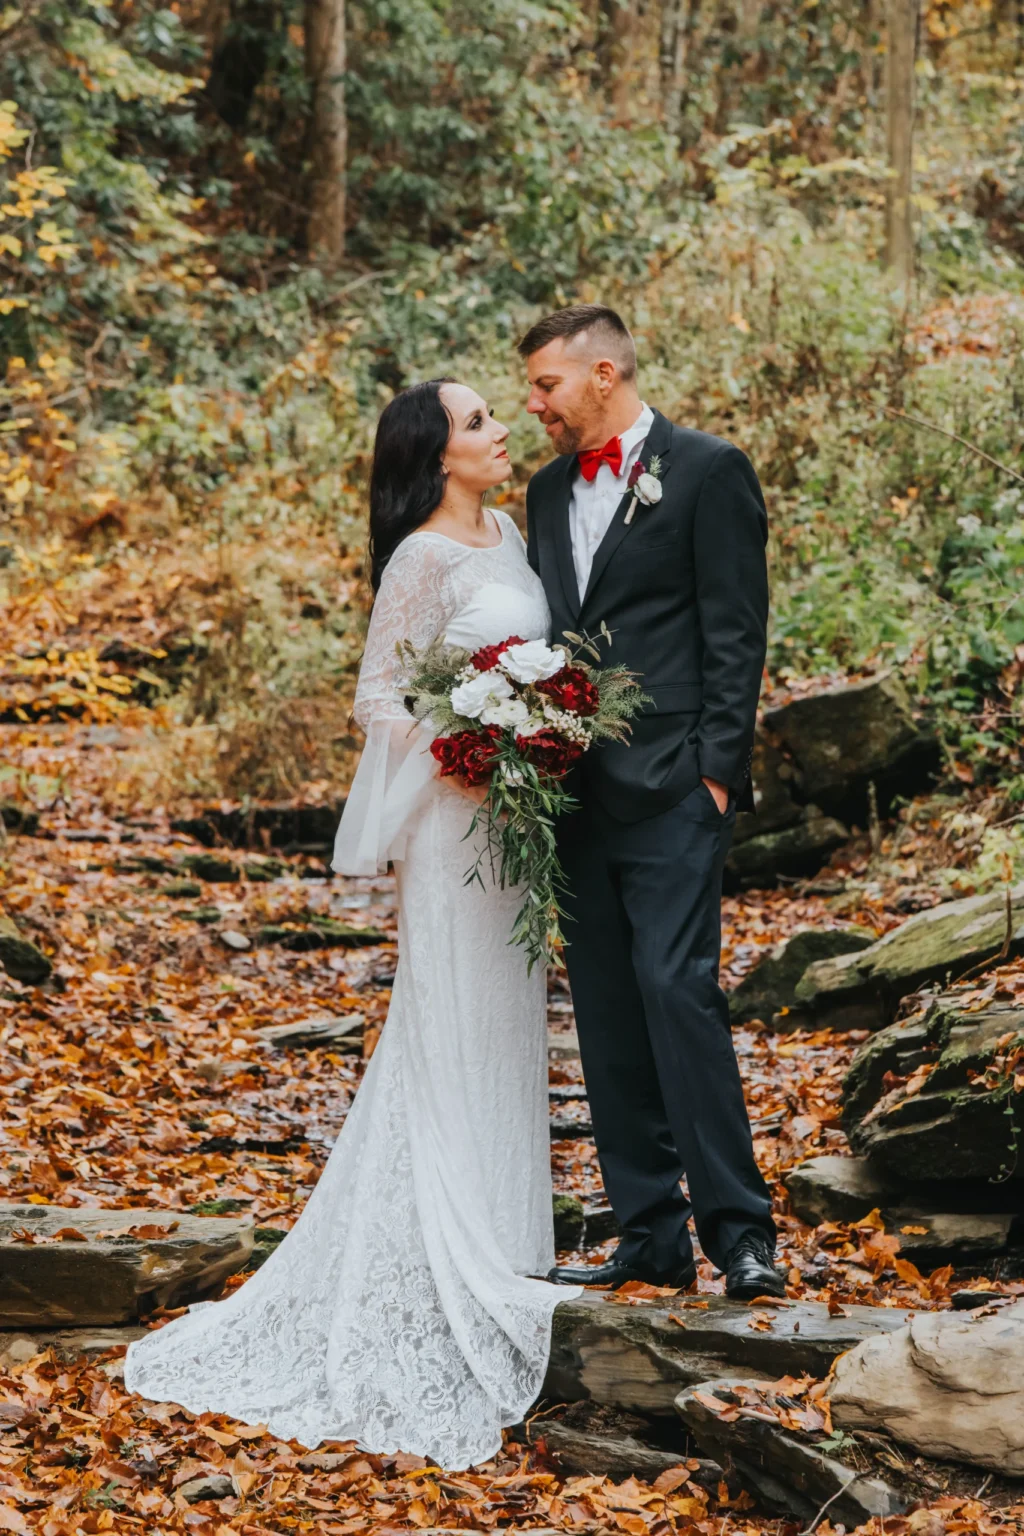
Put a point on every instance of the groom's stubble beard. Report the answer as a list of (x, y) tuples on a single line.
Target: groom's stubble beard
[(578, 430)]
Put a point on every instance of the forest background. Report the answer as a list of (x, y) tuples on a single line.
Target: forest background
[(201, 320)]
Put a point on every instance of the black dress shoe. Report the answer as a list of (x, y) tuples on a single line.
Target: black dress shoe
[(750, 1269), (613, 1274)]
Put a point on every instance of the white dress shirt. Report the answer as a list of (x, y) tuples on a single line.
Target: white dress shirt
[(593, 502)]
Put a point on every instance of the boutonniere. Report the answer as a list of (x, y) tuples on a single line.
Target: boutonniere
[(645, 485)]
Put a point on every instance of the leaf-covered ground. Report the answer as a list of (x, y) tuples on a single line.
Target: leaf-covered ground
[(139, 1077)]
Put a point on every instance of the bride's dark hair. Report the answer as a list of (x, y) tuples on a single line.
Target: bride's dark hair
[(407, 480)]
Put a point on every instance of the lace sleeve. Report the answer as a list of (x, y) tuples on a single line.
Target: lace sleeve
[(511, 527), (396, 772)]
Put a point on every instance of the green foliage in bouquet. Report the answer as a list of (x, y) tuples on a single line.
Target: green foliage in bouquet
[(523, 776)]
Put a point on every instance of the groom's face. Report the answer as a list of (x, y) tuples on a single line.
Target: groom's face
[(567, 395)]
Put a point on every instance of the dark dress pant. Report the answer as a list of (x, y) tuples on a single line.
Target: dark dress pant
[(643, 931)]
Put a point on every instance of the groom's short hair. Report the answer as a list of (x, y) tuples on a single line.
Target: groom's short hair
[(596, 321)]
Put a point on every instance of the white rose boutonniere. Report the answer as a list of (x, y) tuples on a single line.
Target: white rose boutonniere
[(645, 485)]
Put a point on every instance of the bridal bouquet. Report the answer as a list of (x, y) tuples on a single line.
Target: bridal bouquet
[(515, 717)]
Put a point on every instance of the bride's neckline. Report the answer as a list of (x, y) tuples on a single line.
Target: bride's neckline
[(479, 548)]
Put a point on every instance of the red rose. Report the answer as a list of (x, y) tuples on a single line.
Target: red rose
[(448, 752), (572, 689), (550, 753), (480, 754), (487, 656), (470, 754)]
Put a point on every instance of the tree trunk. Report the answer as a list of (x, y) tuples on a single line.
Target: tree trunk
[(899, 90), (325, 70), (618, 20), (684, 56), (672, 59)]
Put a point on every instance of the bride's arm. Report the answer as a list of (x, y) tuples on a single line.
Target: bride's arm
[(396, 772)]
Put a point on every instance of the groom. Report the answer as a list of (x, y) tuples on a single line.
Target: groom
[(675, 566)]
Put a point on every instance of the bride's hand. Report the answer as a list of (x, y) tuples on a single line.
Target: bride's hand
[(475, 792)]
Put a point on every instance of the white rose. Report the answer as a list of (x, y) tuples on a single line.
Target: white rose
[(531, 726), (505, 712), (472, 698), (648, 489), (532, 661)]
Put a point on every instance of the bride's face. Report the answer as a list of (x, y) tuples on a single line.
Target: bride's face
[(475, 458)]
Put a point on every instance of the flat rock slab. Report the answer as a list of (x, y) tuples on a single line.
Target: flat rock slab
[(937, 1223), (948, 1383), (771, 985), (925, 1099), (639, 1356), (214, 1485), (863, 990), (287, 826), (67, 1343), (320, 1029), (129, 1262), (800, 849), (782, 1469), (579, 1451)]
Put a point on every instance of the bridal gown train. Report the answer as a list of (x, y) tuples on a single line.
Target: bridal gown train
[(399, 1311)]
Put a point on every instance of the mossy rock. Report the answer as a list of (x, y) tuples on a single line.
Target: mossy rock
[(862, 991), (19, 818), (205, 915), (226, 1206), (570, 1221), (20, 958), (262, 871), (319, 933), (771, 985), (841, 736), (265, 1240), (188, 888), (144, 863), (210, 866)]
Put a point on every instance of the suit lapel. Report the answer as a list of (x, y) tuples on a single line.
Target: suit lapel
[(656, 444), (563, 540)]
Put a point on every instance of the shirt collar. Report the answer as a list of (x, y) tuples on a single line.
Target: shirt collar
[(638, 431)]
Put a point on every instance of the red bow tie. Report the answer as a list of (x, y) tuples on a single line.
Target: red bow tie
[(591, 459)]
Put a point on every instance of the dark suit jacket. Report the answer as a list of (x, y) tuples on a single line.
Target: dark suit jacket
[(684, 590)]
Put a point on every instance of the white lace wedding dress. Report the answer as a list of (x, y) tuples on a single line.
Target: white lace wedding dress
[(399, 1311)]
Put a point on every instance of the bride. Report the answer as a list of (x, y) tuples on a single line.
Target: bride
[(399, 1312)]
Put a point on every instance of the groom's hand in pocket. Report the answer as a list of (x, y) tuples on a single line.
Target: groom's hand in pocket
[(719, 794)]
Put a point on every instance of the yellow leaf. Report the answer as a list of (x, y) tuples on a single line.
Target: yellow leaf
[(18, 489), (691, 1509)]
